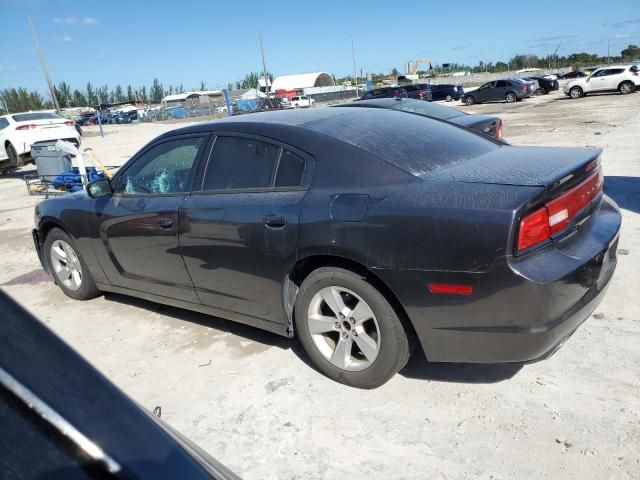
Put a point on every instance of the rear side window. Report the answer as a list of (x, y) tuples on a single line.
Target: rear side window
[(501, 83), (290, 170), (616, 71), (238, 162)]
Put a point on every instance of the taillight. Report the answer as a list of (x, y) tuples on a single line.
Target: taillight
[(534, 228), (420, 94), (558, 213), (499, 130), (523, 87), (635, 74), (26, 127)]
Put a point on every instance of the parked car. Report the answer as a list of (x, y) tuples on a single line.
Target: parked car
[(574, 74), (447, 92), (509, 90), (532, 85), (302, 101), (384, 92), (18, 131), (61, 419), (353, 229), (175, 112), (486, 124), (86, 119), (418, 91), (545, 85), (614, 78), (122, 117)]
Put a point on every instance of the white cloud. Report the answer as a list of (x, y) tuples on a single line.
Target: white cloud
[(65, 39), (89, 21), (65, 21)]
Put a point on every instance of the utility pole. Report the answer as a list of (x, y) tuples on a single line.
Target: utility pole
[(355, 74), (264, 69), (44, 66)]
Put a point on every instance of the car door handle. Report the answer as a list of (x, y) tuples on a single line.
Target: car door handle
[(274, 221), (164, 222)]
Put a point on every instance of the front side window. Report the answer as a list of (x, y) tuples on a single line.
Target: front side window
[(163, 169)]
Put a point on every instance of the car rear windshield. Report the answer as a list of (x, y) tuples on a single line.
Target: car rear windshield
[(427, 109), (27, 117), (412, 143)]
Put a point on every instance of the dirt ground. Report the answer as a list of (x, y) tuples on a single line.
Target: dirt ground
[(251, 400)]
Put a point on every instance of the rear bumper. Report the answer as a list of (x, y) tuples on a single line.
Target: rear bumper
[(521, 310)]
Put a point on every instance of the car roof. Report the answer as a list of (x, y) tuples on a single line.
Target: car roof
[(412, 143)]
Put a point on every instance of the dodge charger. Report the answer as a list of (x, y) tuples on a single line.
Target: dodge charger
[(362, 232)]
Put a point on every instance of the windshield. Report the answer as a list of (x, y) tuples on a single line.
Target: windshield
[(427, 109), (27, 117), (414, 144)]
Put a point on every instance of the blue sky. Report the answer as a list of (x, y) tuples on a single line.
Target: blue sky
[(131, 42)]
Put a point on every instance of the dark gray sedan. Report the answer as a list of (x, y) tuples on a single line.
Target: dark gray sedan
[(508, 90), (487, 124)]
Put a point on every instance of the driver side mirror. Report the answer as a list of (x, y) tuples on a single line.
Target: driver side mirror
[(100, 188)]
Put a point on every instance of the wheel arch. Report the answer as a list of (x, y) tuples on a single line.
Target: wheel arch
[(304, 266), (619, 88), (44, 228)]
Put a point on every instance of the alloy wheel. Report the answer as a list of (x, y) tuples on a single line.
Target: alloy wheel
[(343, 328), (626, 88), (66, 265), (575, 92)]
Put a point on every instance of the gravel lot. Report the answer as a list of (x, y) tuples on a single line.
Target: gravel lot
[(250, 398)]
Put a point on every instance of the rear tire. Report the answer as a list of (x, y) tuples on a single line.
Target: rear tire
[(576, 92), (448, 98), (469, 100), (511, 97), (15, 160), (354, 337), (626, 87), (68, 267)]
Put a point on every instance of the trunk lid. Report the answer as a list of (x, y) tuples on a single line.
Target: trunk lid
[(556, 169)]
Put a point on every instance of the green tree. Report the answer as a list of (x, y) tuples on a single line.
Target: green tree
[(118, 94), (203, 86), (632, 52), (92, 98), (156, 93), (78, 99)]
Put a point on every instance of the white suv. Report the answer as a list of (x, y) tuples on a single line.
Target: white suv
[(302, 102), (621, 78)]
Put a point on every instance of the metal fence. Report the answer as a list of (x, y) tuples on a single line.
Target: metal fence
[(484, 77)]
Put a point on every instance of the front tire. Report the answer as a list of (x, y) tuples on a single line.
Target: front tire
[(68, 267), (576, 92), (349, 329), (626, 88), (469, 100)]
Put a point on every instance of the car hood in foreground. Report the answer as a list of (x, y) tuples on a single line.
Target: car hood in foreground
[(527, 166)]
